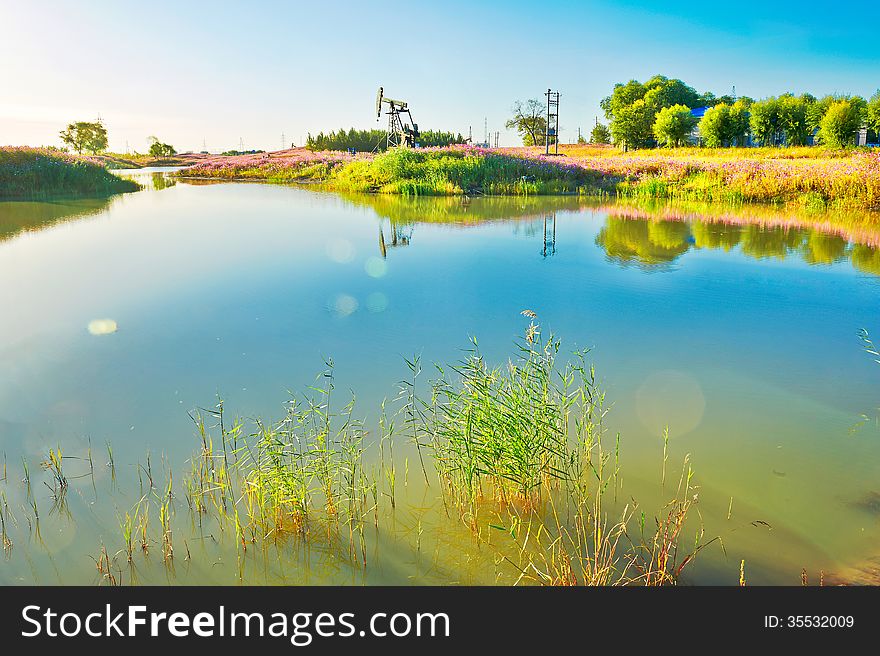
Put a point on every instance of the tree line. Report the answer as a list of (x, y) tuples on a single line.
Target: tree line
[(658, 112), (370, 140), (91, 137)]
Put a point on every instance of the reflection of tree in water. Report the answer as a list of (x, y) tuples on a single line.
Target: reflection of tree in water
[(465, 211), (761, 242), (654, 243), (162, 181), (824, 249), (715, 235), (25, 216), (867, 259), (644, 242), (650, 239)]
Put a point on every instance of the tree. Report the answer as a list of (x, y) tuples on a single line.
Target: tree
[(816, 112), (791, 117), (841, 122), (632, 108), (662, 92), (725, 125), (873, 114), (600, 134), (622, 96), (672, 125), (159, 149), (83, 135), (529, 121), (764, 121), (633, 126)]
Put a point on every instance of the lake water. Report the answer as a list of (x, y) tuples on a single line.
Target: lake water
[(736, 329)]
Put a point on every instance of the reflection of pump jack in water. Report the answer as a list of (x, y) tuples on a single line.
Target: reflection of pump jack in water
[(400, 236), (550, 240)]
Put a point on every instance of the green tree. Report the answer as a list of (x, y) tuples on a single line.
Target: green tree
[(633, 126), (816, 112), (873, 114), (623, 95), (632, 108), (841, 122), (791, 116), (159, 149), (600, 134), (529, 121), (672, 125), (662, 92), (83, 135), (764, 121), (725, 125)]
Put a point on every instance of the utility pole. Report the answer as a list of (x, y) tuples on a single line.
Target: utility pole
[(283, 142), (552, 129), (240, 145)]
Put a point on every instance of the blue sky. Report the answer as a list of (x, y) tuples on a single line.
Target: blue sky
[(224, 71)]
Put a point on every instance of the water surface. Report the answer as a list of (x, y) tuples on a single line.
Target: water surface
[(737, 329)]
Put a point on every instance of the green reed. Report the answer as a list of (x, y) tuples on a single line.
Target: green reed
[(518, 453), (523, 445)]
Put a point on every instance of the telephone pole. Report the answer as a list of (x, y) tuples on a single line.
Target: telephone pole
[(552, 129)]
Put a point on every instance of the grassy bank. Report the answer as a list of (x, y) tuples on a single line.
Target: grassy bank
[(464, 170), (807, 177), (814, 178), (42, 173)]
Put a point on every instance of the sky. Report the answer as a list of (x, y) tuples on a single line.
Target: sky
[(218, 74)]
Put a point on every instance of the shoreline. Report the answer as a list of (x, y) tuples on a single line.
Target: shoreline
[(807, 177)]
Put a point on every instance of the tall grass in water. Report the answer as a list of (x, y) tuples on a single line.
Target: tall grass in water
[(520, 452), (522, 449), (290, 478)]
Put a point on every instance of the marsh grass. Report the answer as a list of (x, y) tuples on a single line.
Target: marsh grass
[(298, 478), (5, 517), (521, 449), (514, 460)]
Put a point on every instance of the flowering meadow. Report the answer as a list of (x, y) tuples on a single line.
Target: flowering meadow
[(292, 165), (807, 177), (40, 172)]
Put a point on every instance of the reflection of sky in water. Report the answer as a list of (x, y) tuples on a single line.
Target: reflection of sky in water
[(741, 340)]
